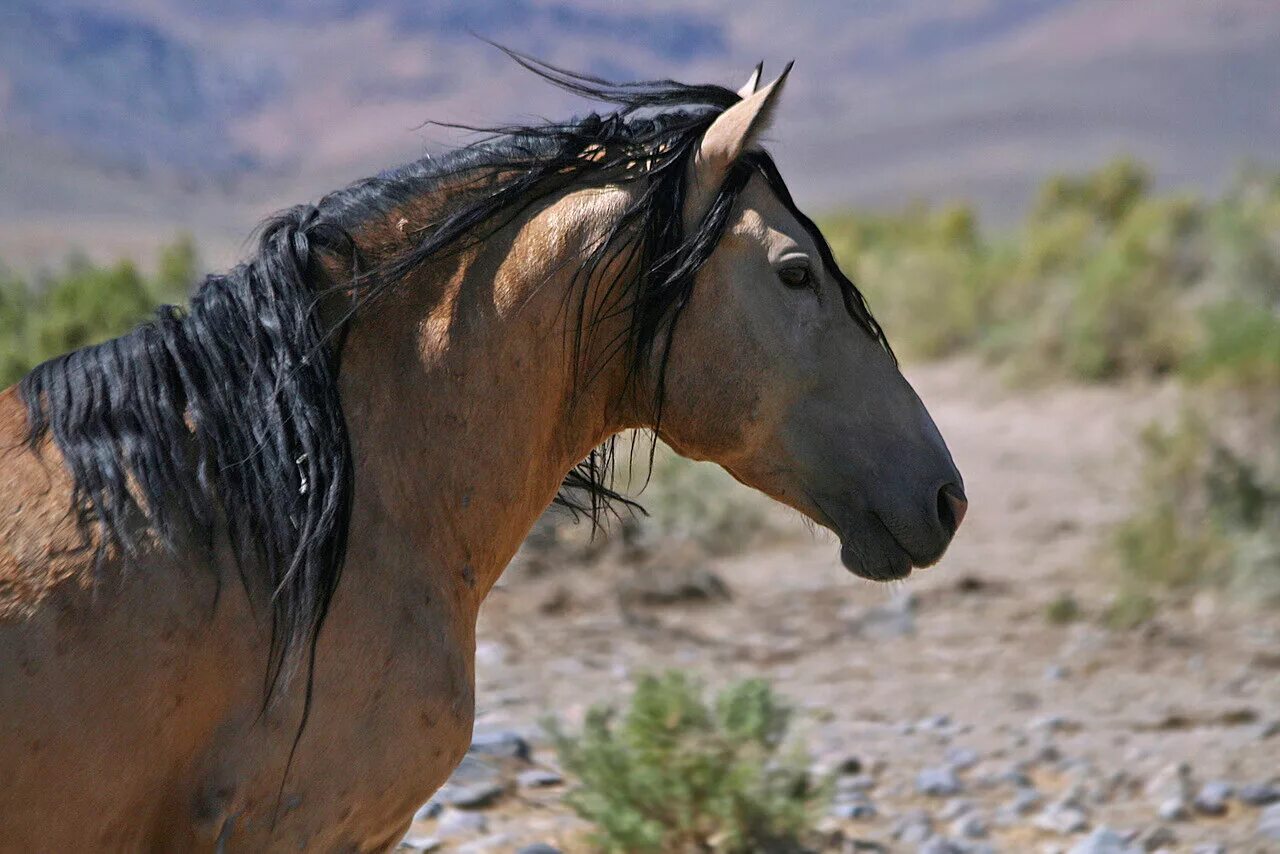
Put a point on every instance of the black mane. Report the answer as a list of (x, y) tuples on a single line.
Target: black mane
[(228, 413)]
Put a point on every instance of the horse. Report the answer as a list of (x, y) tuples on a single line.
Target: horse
[(243, 546)]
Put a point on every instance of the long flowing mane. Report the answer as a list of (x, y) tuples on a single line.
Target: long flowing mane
[(227, 414)]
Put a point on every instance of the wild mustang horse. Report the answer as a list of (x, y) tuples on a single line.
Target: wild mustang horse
[(242, 547)]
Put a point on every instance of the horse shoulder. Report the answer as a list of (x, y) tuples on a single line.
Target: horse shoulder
[(43, 549)]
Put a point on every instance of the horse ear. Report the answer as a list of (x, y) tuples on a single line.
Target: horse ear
[(753, 82), (733, 132)]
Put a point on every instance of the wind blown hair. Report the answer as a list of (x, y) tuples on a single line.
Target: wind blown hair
[(228, 413)]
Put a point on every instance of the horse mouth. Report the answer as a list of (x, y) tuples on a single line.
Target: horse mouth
[(874, 554), (890, 564)]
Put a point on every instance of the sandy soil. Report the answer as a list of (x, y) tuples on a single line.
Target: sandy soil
[(960, 657)]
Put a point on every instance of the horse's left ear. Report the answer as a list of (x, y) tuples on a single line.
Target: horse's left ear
[(753, 82), (733, 132)]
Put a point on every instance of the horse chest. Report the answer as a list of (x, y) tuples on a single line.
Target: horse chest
[(391, 719)]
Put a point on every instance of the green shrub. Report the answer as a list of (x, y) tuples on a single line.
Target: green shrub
[(1209, 510), (675, 774), (1103, 280), (84, 304)]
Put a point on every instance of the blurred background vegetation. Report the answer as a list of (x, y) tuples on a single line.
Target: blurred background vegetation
[(1104, 281)]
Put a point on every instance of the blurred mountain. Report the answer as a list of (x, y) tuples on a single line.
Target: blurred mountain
[(123, 121)]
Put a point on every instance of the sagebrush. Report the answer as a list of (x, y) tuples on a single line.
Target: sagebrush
[(676, 773)]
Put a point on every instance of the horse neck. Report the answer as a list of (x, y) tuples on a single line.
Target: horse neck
[(463, 407)]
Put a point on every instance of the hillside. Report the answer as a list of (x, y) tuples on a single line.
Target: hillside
[(122, 124)]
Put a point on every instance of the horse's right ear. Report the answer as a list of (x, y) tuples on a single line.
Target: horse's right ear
[(733, 132)]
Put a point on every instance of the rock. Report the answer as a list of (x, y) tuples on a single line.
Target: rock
[(1172, 781), (894, 619), (863, 846), (428, 811), (855, 783), (913, 828), (1258, 794), (971, 826), (501, 743), (1104, 840), (453, 822), (537, 778), (1024, 801), (1269, 730), (1157, 837), (1054, 723), (1063, 818), (498, 842), (418, 842), (962, 758), (1210, 848), (935, 723), (955, 808), (849, 765), (539, 848), (854, 810), (1269, 823), (1048, 754), (1056, 673), (1016, 775), (939, 845), (1173, 809), (1212, 798), (470, 795), (939, 782)]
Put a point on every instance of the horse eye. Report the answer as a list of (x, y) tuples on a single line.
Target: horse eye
[(797, 276)]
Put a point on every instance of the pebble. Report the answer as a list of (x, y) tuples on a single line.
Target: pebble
[(454, 822), (428, 811), (1053, 723), (1173, 809), (503, 743), (1172, 781), (1210, 848), (418, 842), (537, 778), (1063, 818), (1258, 794), (954, 808), (940, 845), (855, 783), (1158, 837), (894, 619), (857, 810), (1024, 801), (470, 796), (1212, 798), (971, 826), (1015, 775), (539, 848), (939, 782), (935, 723), (962, 758), (913, 828), (1104, 840), (488, 845), (1269, 730), (1269, 823)]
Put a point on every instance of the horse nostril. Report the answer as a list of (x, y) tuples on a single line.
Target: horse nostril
[(951, 507)]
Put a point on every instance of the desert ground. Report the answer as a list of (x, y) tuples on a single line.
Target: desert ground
[(956, 715)]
